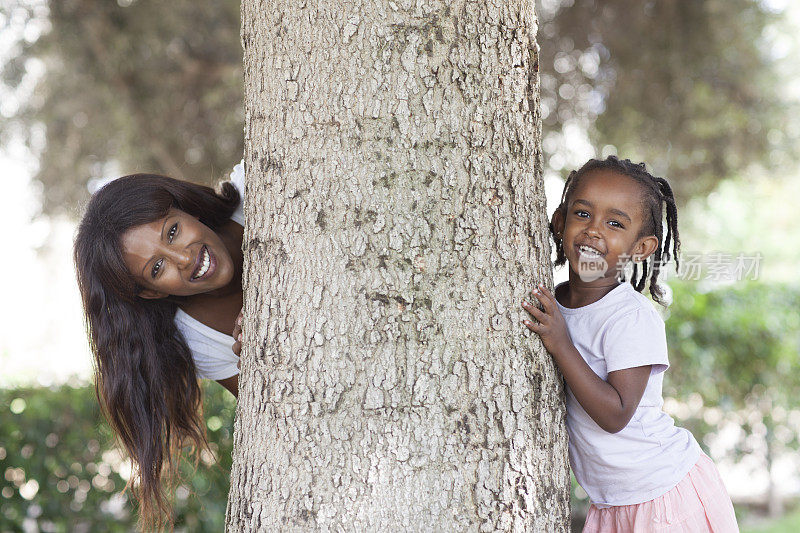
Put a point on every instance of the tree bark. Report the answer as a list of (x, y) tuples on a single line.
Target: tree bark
[(395, 219)]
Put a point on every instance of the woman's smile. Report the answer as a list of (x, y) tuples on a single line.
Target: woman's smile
[(205, 265)]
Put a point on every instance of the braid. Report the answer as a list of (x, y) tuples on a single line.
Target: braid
[(561, 258), (640, 285), (663, 256), (657, 195)]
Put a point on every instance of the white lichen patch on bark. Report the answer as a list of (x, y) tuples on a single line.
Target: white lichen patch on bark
[(395, 219)]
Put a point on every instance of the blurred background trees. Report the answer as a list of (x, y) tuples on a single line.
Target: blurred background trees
[(125, 87), (703, 90), (734, 353), (62, 472), (693, 88)]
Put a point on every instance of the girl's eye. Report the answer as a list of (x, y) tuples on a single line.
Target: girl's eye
[(172, 231), (581, 213), (616, 224), (156, 267)]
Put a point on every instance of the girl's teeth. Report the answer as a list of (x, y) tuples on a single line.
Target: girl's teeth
[(589, 251)]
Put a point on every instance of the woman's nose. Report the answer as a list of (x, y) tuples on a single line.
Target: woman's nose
[(183, 258)]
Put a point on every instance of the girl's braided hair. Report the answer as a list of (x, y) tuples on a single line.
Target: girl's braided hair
[(656, 194)]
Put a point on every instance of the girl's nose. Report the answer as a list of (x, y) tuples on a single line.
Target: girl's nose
[(592, 230)]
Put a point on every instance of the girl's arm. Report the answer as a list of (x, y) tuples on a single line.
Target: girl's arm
[(611, 403)]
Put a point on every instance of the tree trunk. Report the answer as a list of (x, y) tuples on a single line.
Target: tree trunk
[(395, 219)]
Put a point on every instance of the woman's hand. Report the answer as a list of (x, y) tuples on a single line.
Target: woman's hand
[(550, 324), (237, 334)]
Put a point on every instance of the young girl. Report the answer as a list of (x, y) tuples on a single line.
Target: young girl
[(159, 267), (641, 472)]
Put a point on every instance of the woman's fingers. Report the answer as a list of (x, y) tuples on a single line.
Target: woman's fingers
[(237, 334), (237, 327)]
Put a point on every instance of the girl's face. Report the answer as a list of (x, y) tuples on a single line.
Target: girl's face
[(176, 255), (601, 226)]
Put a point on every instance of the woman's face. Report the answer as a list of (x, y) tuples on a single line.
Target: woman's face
[(176, 255)]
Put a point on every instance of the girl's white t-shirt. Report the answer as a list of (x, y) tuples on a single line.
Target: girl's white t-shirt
[(212, 351), (650, 455)]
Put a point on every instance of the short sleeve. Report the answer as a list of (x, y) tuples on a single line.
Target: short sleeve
[(212, 363), (211, 350), (237, 178), (637, 338)]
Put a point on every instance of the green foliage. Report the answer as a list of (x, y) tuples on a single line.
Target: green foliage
[(61, 472), (789, 523), (732, 343), (737, 348)]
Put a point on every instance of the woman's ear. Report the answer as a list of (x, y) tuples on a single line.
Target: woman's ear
[(150, 294), (644, 248)]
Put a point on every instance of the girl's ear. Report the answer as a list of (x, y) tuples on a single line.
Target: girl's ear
[(644, 248), (150, 294), (557, 222)]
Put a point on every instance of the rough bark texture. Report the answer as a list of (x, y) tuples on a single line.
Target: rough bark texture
[(395, 218)]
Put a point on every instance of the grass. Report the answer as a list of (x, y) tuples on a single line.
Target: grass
[(789, 523)]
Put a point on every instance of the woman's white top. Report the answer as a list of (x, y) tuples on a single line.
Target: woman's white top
[(650, 455), (212, 351)]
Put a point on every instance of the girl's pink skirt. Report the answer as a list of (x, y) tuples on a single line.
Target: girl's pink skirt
[(698, 503)]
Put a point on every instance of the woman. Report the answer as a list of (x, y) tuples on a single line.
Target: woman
[(159, 266)]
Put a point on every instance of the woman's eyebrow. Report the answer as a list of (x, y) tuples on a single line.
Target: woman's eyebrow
[(144, 268), (166, 219)]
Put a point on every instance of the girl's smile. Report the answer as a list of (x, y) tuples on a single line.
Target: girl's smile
[(176, 255)]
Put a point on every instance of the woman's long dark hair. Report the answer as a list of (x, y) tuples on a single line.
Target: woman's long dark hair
[(145, 376)]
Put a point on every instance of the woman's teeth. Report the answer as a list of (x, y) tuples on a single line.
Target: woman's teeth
[(206, 264)]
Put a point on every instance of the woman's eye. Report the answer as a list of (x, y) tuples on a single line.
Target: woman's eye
[(157, 267), (172, 231)]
